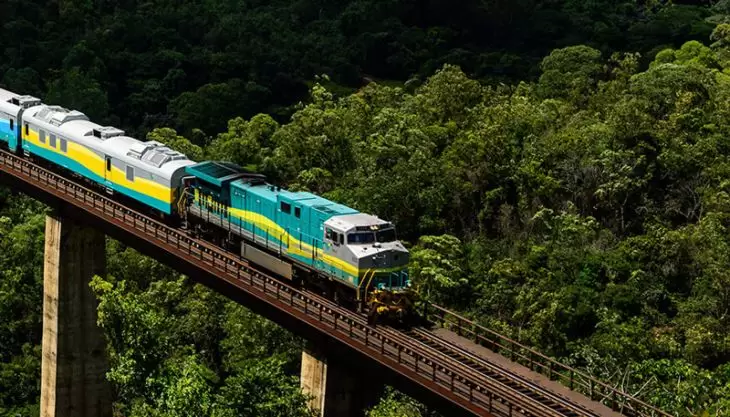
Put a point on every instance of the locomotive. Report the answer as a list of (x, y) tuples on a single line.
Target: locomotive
[(352, 257)]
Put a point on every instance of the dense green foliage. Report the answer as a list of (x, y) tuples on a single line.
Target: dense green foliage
[(195, 65), (182, 350), (585, 213), (572, 197), (21, 289)]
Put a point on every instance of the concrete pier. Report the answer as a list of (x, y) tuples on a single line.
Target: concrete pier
[(335, 392), (74, 360)]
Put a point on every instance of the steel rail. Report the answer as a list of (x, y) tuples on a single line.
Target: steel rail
[(572, 378), (566, 406), (452, 381)]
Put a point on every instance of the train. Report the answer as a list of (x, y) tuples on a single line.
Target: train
[(353, 258)]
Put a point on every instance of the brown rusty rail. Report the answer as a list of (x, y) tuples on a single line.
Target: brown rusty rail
[(572, 378), (441, 375)]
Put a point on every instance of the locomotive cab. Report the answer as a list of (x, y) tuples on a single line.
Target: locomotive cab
[(380, 261)]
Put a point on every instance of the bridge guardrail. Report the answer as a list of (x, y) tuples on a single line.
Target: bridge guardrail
[(572, 378)]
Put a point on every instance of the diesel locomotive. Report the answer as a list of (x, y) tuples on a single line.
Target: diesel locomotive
[(354, 258)]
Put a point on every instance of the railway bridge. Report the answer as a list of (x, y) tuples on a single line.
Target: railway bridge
[(456, 366)]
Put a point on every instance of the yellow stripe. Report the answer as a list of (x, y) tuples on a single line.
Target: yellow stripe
[(96, 164), (266, 224), (294, 244)]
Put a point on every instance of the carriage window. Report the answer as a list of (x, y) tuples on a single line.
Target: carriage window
[(108, 164), (52, 141), (27, 130), (342, 238), (41, 135), (64, 145), (329, 234), (12, 124), (130, 173), (298, 212), (286, 207)]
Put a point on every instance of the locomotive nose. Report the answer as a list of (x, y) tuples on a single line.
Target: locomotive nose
[(386, 258)]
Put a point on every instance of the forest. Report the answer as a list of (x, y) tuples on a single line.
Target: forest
[(559, 170)]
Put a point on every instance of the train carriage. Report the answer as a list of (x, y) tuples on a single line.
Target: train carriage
[(12, 107), (147, 172)]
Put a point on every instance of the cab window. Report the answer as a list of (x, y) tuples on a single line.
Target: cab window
[(360, 238), (387, 235)]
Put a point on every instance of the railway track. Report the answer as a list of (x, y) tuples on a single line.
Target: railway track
[(456, 376), (561, 405), (444, 359)]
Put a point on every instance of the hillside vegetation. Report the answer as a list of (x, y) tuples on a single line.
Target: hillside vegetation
[(562, 176)]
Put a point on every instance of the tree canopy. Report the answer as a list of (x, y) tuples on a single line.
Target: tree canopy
[(559, 171)]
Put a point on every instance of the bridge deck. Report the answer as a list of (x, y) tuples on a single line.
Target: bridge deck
[(524, 372)]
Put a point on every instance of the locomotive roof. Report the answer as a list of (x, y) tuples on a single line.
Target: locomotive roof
[(304, 199), (218, 173), (350, 221)]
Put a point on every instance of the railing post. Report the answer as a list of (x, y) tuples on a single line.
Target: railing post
[(591, 392), (614, 405), (571, 378), (550, 370)]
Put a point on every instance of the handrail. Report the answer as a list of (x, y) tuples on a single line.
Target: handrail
[(359, 285), (572, 378)]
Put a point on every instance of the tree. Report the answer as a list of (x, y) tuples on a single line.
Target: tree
[(78, 91)]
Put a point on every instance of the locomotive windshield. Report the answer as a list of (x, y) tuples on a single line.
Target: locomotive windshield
[(360, 238), (384, 236), (381, 236)]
